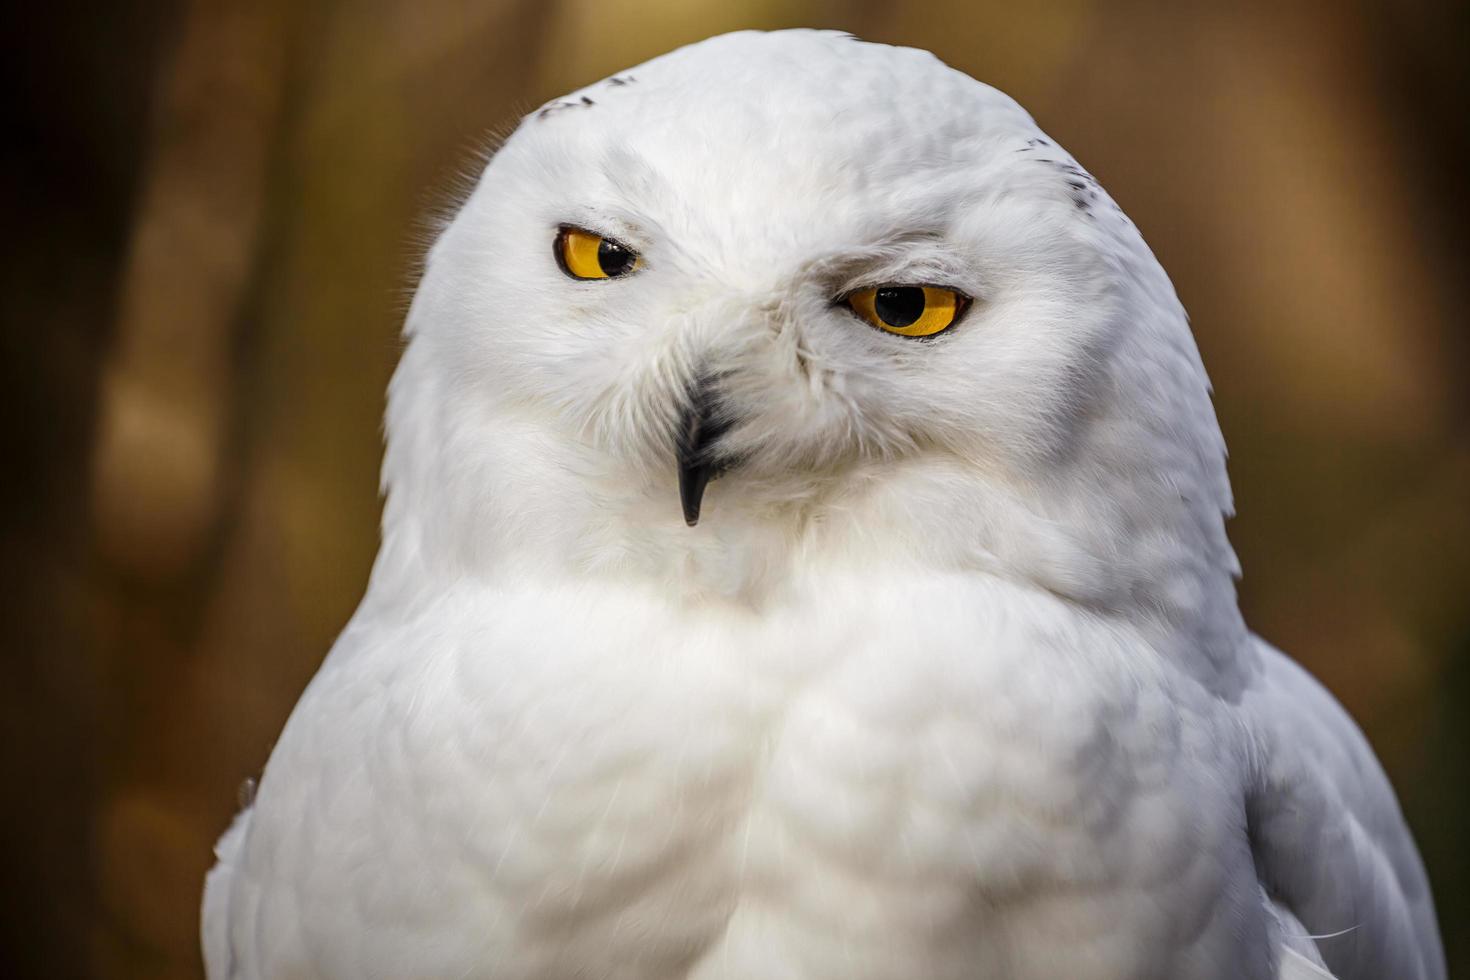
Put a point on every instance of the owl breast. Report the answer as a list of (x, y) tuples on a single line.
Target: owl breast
[(958, 778)]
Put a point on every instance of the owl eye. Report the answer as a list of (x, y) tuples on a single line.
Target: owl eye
[(584, 255), (911, 311)]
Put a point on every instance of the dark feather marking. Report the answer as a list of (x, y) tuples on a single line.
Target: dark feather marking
[(560, 104)]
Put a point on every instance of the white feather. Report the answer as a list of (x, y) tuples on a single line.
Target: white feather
[(1295, 966), (949, 682)]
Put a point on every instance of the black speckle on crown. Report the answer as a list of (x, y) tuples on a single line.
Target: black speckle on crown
[(582, 102), (554, 107), (1082, 186)]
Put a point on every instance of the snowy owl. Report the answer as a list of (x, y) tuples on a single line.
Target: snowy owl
[(804, 557)]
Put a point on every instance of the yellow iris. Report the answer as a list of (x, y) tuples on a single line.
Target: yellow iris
[(584, 255), (910, 311)]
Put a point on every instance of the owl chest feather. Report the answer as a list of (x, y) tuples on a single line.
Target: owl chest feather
[(877, 781)]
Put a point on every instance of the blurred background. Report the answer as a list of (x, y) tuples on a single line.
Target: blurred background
[(213, 211)]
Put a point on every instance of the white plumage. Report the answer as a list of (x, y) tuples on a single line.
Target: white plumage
[(949, 681)]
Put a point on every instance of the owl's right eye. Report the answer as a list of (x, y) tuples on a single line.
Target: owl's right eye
[(586, 255)]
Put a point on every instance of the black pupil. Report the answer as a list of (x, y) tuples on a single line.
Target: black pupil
[(614, 259), (899, 306)]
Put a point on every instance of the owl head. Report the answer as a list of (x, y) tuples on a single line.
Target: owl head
[(780, 295)]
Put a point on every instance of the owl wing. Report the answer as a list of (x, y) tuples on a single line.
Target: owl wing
[(214, 917), (1329, 841)]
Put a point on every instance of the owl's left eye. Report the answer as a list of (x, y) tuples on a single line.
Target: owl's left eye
[(585, 255), (910, 311)]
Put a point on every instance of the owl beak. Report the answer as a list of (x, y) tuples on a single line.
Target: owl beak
[(699, 428)]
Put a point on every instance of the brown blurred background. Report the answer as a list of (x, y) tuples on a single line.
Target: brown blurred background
[(213, 209)]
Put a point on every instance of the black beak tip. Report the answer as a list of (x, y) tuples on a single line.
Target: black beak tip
[(699, 429), (692, 481)]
